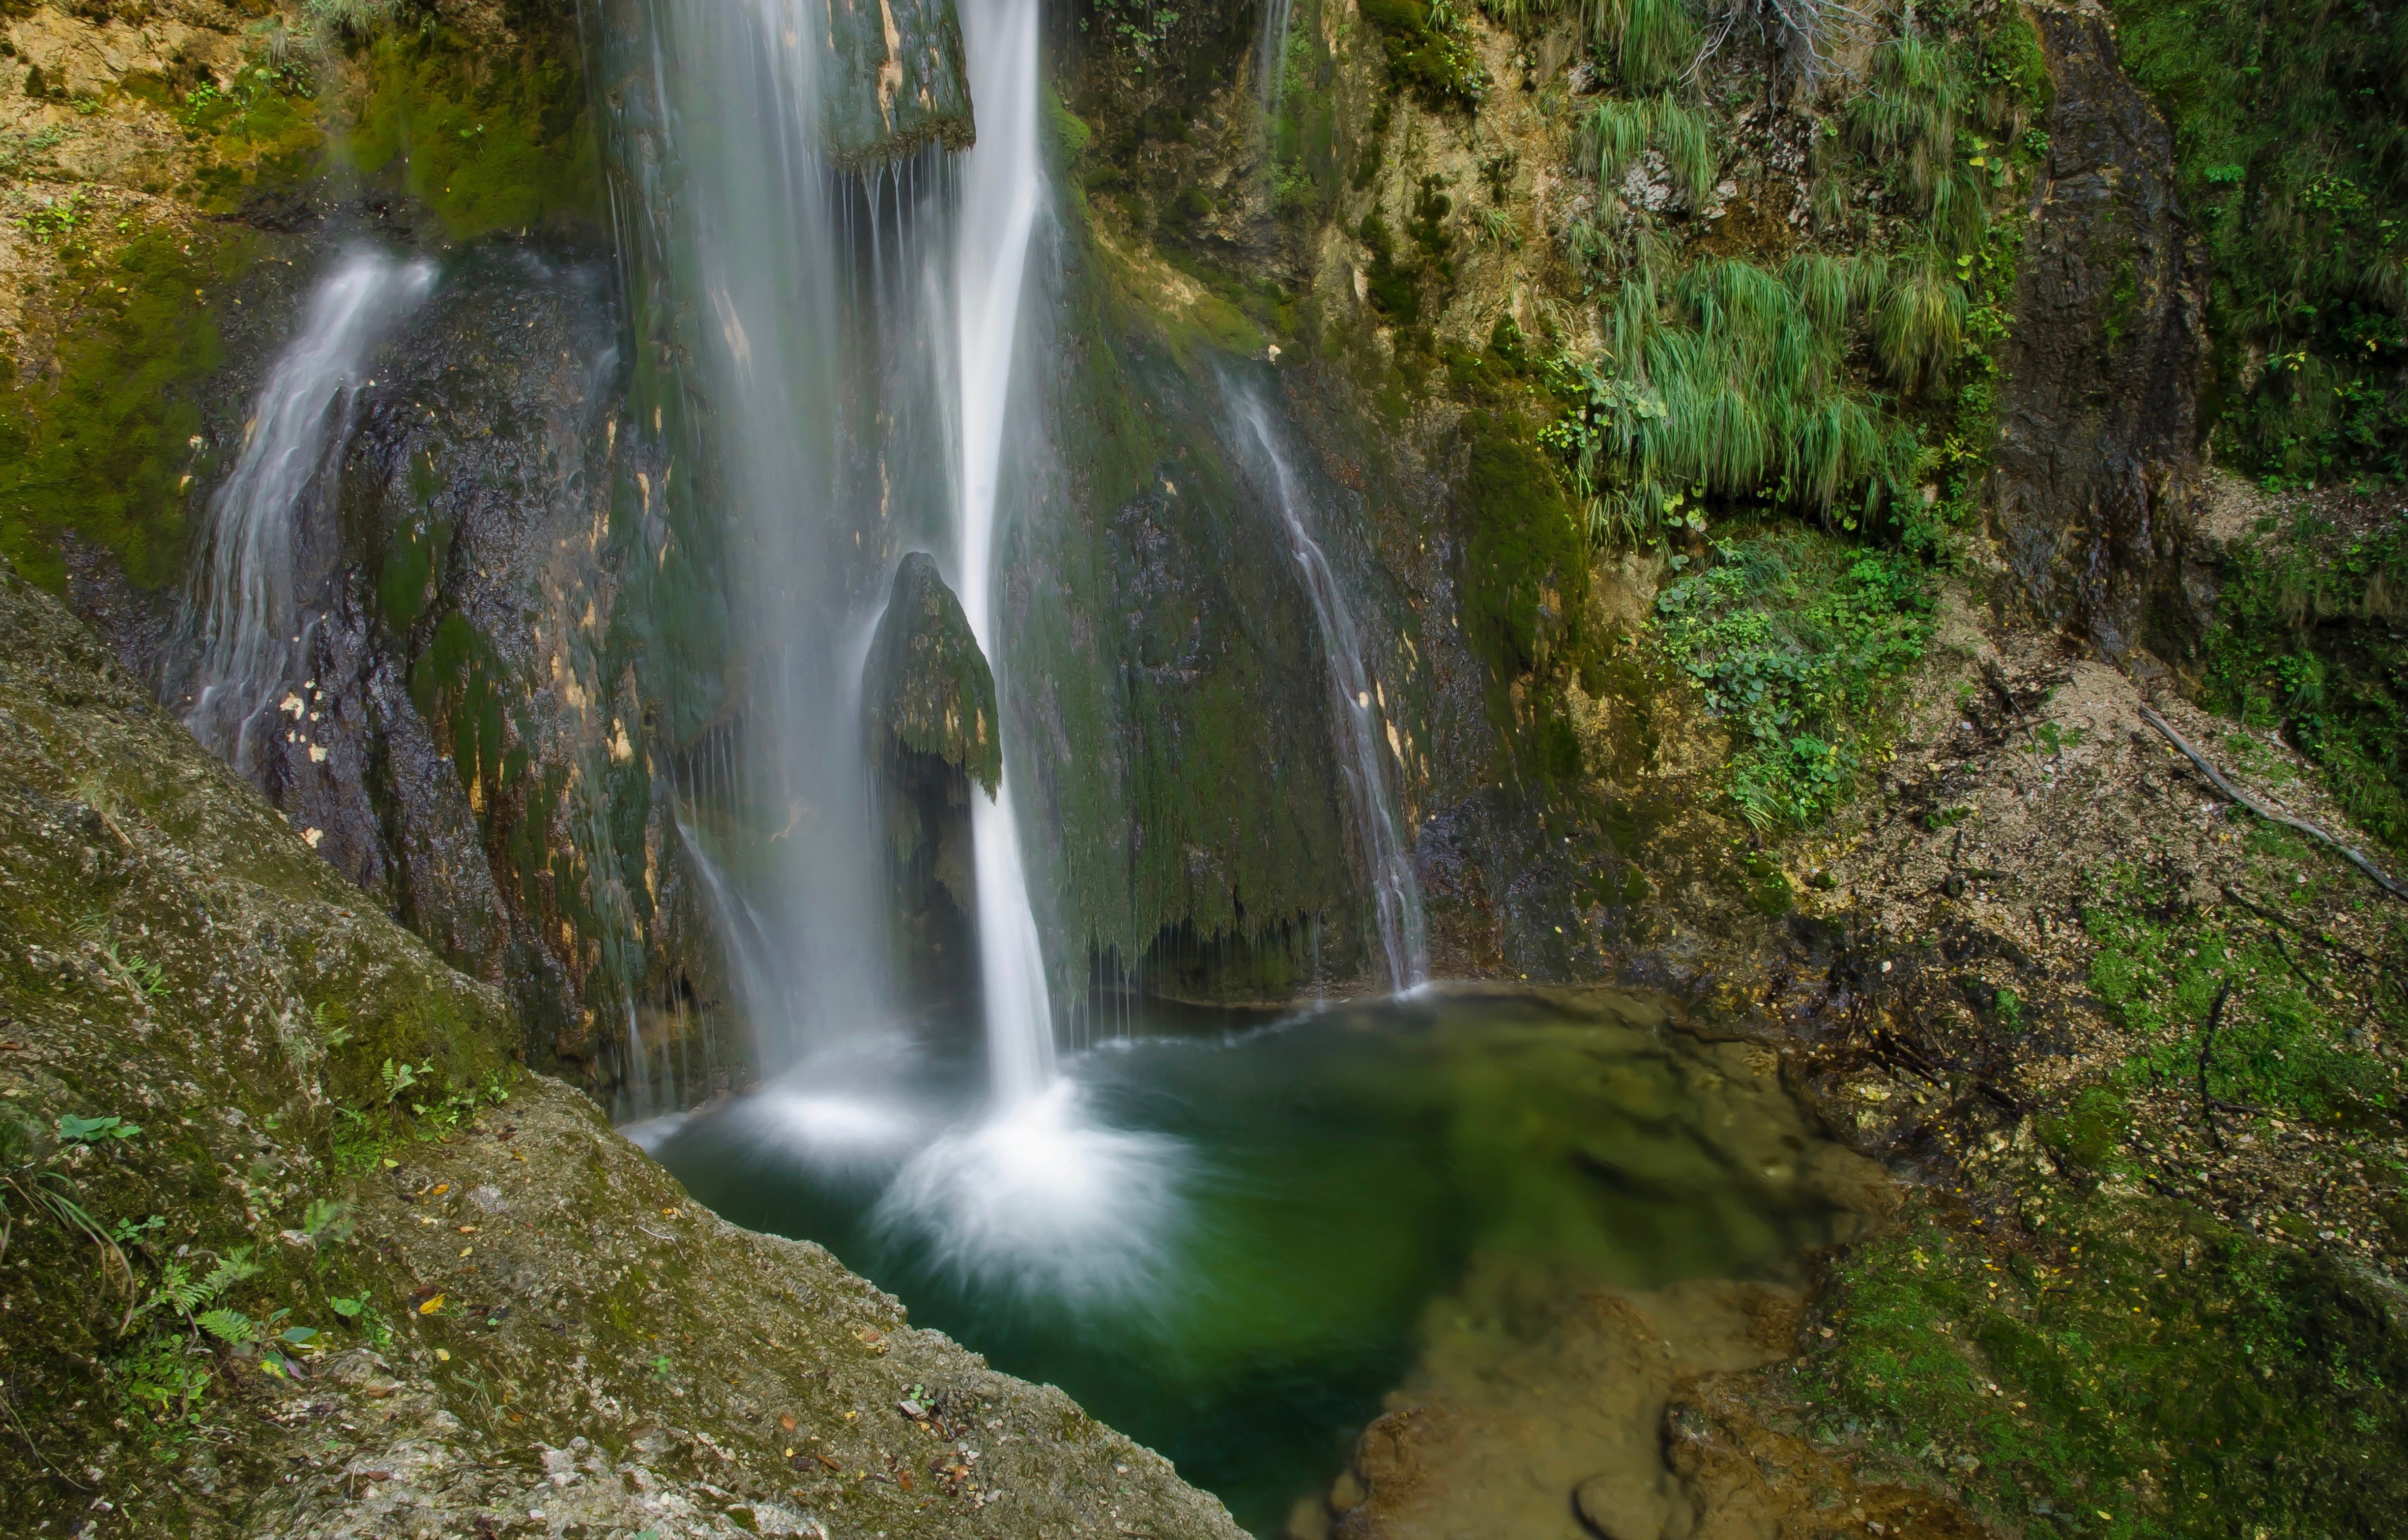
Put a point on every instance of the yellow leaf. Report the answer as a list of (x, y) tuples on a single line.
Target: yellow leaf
[(431, 1306)]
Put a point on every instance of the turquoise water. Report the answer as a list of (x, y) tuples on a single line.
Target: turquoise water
[(1229, 1243)]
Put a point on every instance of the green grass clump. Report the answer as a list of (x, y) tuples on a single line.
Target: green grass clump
[(2160, 1375), (2289, 122), (2309, 641), (100, 453), (1797, 642), (1734, 384), (1617, 131)]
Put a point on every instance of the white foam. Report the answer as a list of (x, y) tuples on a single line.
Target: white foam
[(653, 1132), (1045, 1201), (833, 1134)]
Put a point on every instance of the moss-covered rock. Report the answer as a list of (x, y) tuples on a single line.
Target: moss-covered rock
[(898, 81), (296, 1248), (927, 688)]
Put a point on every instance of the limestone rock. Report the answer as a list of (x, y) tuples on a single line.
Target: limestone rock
[(927, 688)]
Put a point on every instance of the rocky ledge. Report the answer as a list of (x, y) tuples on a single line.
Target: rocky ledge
[(294, 1247)]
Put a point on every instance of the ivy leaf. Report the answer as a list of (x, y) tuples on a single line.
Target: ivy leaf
[(88, 1131)]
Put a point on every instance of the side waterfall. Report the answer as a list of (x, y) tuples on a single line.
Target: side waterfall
[(241, 617), (1397, 899)]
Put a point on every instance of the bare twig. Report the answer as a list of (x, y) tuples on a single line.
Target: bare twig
[(2355, 856), (2206, 1046)]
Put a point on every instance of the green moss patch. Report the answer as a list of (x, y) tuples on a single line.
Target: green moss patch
[(101, 452), (2152, 1372), (487, 143)]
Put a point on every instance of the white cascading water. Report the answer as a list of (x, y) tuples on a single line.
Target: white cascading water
[(811, 284), (1041, 1198), (1270, 56), (1397, 900), (242, 618), (1003, 188)]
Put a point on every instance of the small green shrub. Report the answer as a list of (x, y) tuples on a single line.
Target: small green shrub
[(1798, 644)]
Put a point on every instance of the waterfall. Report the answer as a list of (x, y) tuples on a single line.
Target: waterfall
[(242, 617), (1397, 901), (813, 289), (1003, 188), (1271, 56)]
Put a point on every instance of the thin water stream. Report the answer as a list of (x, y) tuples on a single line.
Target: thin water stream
[(239, 632), (1299, 1217)]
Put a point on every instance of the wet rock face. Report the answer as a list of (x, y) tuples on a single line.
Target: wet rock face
[(1174, 691), (2099, 417), (929, 726), (926, 688), (898, 81)]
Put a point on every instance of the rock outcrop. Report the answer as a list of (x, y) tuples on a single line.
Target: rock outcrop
[(926, 688), (2094, 470), (897, 80), (298, 1248)]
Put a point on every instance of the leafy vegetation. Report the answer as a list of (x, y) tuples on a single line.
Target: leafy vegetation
[(1797, 643), (2309, 641), (2288, 120)]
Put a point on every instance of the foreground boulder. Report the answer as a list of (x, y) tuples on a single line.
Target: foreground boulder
[(296, 1248)]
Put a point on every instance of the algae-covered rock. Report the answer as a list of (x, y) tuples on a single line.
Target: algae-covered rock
[(296, 1248), (927, 688), (895, 81)]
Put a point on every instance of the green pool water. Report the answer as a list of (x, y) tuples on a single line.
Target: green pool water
[(1231, 1243)]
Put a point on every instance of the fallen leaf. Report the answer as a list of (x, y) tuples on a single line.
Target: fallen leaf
[(441, 1188), (787, 1422), (431, 1305)]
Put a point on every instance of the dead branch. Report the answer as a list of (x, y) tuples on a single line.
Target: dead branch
[(2206, 1046), (2263, 810)]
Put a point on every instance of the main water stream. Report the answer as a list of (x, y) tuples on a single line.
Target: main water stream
[(1313, 1198)]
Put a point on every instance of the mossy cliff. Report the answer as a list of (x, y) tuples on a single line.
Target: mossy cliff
[(479, 701), (297, 1246)]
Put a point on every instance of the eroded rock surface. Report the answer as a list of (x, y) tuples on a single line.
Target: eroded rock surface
[(536, 1333), (2099, 422)]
